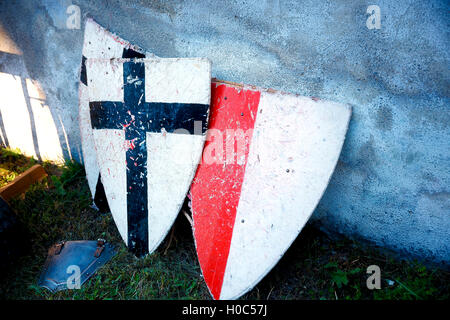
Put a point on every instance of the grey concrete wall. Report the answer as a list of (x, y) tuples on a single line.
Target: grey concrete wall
[(391, 185)]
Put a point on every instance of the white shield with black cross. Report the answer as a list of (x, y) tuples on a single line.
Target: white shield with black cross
[(149, 119)]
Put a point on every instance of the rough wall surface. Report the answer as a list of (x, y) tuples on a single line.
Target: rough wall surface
[(391, 185)]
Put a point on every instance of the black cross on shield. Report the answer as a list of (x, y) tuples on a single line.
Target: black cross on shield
[(136, 117)]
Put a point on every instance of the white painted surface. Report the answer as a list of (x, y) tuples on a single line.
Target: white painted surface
[(110, 146), (98, 43), (105, 79), (177, 82), (291, 133), (172, 158), (179, 153), (87, 139)]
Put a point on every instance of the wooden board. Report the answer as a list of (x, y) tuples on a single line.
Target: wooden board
[(266, 163), (149, 118), (22, 182)]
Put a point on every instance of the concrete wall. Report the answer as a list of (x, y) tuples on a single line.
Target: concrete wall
[(391, 185)]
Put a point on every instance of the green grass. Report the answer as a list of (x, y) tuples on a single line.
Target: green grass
[(12, 163), (315, 267)]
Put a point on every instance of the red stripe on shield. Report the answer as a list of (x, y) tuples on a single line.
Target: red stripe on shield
[(216, 188)]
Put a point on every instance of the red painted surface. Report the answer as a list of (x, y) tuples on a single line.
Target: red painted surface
[(216, 188)]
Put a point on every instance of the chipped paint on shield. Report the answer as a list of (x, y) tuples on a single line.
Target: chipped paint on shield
[(98, 43), (149, 118), (215, 209), (246, 214)]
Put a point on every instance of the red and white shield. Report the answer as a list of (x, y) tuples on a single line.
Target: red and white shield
[(266, 163)]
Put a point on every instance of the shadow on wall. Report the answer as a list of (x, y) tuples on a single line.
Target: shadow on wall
[(26, 121)]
